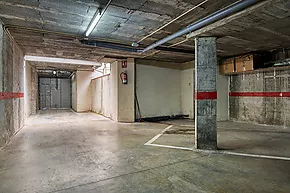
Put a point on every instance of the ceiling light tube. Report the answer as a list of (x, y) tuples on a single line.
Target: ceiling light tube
[(94, 22)]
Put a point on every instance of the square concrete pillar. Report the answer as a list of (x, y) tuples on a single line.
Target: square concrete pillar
[(1, 56), (205, 93), (126, 92)]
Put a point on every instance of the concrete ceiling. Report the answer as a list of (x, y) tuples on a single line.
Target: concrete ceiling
[(53, 28), (58, 66), (45, 69)]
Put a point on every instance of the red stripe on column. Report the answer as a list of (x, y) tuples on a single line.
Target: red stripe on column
[(259, 94), (11, 95), (206, 95)]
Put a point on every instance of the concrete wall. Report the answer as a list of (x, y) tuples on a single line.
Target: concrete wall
[(222, 97), (30, 90), (74, 92), (158, 90), (112, 98), (187, 92), (81, 91), (11, 88), (101, 96), (114, 79), (165, 89), (98, 88), (126, 102), (268, 106), (27, 90)]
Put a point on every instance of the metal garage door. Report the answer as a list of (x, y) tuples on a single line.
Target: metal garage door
[(54, 93)]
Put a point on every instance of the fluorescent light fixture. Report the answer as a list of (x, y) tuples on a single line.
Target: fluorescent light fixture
[(60, 60), (95, 21)]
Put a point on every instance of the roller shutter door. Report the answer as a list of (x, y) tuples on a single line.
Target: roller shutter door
[(54, 93)]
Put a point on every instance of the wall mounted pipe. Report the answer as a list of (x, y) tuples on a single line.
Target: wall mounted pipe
[(122, 47), (236, 7)]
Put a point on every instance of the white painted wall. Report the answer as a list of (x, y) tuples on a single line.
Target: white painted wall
[(106, 96), (101, 96), (223, 97), (74, 92), (158, 90), (112, 98), (27, 90), (81, 91), (114, 91), (96, 74), (97, 92), (187, 92)]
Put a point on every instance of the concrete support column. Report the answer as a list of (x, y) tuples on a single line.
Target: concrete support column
[(126, 92), (123, 104), (205, 93), (1, 57)]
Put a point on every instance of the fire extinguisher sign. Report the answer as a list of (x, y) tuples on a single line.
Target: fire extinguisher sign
[(124, 64)]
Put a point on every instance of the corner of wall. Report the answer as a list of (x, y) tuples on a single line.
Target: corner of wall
[(83, 91), (12, 85), (223, 97)]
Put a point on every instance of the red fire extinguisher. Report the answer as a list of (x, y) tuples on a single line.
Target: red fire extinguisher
[(124, 77)]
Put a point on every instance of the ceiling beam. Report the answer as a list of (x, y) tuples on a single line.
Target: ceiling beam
[(229, 19)]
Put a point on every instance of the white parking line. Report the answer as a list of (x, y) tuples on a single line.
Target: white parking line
[(149, 143), (254, 155), (171, 147), (223, 152), (157, 136)]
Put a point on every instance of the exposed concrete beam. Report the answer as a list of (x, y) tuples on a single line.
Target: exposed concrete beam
[(230, 18), (41, 9), (274, 32), (170, 65), (38, 21), (6, 16), (61, 60)]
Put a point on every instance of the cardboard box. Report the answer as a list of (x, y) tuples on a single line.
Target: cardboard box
[(245, 63), (228, 66), (222, 69), (248, 62)]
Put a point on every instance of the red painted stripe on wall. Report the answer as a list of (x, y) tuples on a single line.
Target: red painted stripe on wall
[(206, 95), (10, 95), (259, 94)]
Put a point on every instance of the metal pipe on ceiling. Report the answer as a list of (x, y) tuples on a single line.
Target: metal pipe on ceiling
[(125, 48), (236, 7), (183, 14), (156, 52), (108, 45)]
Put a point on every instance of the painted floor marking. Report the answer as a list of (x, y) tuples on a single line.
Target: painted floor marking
[(158, 135), (149, 143), (254, 155), (171, 147)]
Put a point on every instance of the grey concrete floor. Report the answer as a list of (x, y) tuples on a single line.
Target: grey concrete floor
[(234, 137), (62, 151)]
